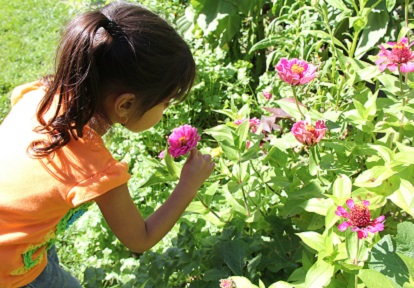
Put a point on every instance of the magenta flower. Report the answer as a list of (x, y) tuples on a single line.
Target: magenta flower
[(400, 56), (308, 134), (359, 218), (295, 71), (182, 140), (253, 123), (161, 155), (267, 95), (227, 283)]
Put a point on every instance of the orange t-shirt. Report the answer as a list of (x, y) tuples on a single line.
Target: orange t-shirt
[(40, 197)]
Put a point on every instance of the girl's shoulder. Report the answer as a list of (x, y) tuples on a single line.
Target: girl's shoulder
[(18, 92)]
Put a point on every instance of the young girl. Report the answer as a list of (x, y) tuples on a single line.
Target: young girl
[(120, 64)]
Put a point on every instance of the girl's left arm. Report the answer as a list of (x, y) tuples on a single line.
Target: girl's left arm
[(125, 220)]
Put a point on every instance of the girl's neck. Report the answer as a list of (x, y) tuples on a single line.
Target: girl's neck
[(100, 123)]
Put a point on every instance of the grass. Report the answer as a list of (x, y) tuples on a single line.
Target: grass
[(29, 33)]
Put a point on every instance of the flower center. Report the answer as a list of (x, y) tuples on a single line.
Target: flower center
[(309, 128), (360, 216), (297, 69), (182, 141), (401, 53)]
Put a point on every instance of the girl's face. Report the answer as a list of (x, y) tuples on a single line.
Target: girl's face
[(148, 120)]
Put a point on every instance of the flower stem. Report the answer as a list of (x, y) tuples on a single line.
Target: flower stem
[(401, 130), (207, 207), (297, 101), (338, 94), (356, 261)]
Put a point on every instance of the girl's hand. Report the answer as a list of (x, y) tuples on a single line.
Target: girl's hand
[(196, 170)]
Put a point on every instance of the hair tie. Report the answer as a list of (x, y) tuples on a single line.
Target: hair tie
[(113, 28)]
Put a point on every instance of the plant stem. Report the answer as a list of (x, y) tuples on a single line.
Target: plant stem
[(356, 261), (338, 94), (406, 13), (401, 130), (245, 203), (297, 101), (354, 44), (207, 207)]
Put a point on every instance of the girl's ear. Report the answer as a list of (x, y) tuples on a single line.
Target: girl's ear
[(123, 104)]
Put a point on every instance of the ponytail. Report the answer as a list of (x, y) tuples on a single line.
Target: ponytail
[(76, 84)]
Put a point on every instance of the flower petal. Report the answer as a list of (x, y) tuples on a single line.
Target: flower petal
[(344, 225), (350, 203)]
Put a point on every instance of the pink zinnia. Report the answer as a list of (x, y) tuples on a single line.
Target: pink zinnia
[(253, 123), (399, 56), (227, 283), (308, 134), (267, 95), (359, 218), (182, 140), (295, 71)]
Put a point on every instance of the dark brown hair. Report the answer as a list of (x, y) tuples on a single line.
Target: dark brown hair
[(121, 48)]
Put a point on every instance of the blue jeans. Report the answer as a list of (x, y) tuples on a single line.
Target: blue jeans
[(53, 275)]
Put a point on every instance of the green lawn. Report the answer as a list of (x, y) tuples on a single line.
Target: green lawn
[(29, 32)]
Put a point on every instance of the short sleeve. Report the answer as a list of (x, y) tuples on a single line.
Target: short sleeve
[(88, 189)]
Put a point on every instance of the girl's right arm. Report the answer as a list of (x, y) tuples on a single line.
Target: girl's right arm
[(126, 221)]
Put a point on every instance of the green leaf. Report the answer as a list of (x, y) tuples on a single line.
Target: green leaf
[(404, 197), (171, 165), (323, 36), (217, 17), (338, 4), (342, 188), (221, 133), (376, 28), (371, 279), (385, 260), (318, 205), (319, 275), (291, 108), (313, 239), (405, 239), (243, 282), (267, 42), (234, 254), (409, 262), (374, 177), (276, 157), (242, 132), (390, 4), (314, 160)]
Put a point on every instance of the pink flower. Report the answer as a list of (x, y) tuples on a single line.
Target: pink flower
[(295, 72), (253, 123), (182, 140), (307, 134), (267, 95), (161, 155), (400, 56), (227, 283), (359, 218)]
